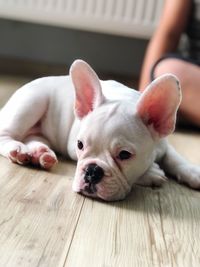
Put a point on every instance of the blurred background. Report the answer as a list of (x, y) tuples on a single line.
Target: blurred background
[(43, 37)]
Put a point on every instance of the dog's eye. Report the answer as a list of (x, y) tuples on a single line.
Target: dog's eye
[(80, 145), (123, 155)]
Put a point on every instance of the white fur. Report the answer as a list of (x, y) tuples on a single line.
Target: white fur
[(51, 114)]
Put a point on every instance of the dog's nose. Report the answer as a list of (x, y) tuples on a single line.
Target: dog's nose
[(93, 174)]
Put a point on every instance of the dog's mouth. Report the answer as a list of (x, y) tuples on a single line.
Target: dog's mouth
[(90, 188), (102, 191), (95, 182)]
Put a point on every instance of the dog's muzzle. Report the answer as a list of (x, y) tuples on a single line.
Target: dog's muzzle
[(93, 175)]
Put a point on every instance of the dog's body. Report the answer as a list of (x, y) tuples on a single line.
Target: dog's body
[(116, 134)]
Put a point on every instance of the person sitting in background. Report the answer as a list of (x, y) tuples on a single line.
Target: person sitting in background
[(179, 16)]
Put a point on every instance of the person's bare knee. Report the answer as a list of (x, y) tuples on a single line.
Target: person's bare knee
[(189, 76), (187, 73), (170, 65)]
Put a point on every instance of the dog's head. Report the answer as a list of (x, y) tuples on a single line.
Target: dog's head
[(117, 139)]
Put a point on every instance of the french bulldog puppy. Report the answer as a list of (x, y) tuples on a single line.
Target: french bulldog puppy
[(116, 134)]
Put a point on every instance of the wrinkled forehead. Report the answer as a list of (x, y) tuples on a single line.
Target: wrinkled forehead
[(103, 117), (111, 121)]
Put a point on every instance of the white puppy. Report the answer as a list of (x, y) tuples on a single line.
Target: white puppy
[(116, 133)]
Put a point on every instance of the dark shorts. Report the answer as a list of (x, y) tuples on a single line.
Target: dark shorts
[(172, 56)]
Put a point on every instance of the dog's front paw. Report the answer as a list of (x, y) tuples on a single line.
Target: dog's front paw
[(154, 176), (18, 153), (189, 174), (44, 157)]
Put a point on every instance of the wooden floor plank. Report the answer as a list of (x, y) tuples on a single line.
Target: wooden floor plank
[(38, 215), (180, 216), (187, 144), (119, 233), (150, 228)]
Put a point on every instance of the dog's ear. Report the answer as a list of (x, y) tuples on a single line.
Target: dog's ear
[(158, 104), (87, 88)]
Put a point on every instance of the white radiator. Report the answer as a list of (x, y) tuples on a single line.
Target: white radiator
[(134, 18)]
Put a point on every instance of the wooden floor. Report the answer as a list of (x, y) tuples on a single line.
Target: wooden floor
[(44, 224)]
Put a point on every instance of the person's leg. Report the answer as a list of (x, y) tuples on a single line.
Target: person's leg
[(189, 76)]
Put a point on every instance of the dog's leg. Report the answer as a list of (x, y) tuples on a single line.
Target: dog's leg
[(14, 150), (185, 172), (154, 176), (41, 154), (21, 113)]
